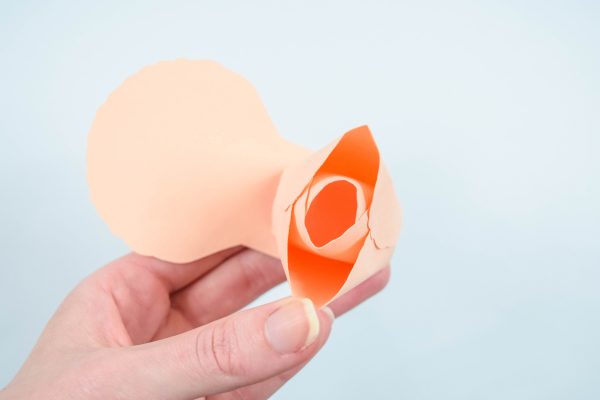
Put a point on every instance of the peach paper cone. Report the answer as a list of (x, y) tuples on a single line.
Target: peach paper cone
[(344, 235), (184, 161)]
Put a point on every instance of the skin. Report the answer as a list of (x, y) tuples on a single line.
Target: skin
[(144, 328)]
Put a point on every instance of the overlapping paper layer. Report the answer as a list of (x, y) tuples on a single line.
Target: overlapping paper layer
[(184, 161)]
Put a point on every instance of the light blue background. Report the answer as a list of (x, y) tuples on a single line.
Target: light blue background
[(487, 115)]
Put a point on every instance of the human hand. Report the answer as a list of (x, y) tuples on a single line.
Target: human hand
[(141, 328)]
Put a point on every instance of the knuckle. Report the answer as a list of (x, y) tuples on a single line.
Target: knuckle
[(218, 351), (258, 271), (250, 271)]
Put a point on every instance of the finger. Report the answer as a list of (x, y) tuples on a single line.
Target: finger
[(361, 293), (265, 389), (261, 390), (235, 283), (243, 349), (174, 276)]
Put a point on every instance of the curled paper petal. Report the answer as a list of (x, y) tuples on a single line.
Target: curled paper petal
[(324, 273), (184, 161)]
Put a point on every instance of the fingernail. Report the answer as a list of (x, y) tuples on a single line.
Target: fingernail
[(293, 326), (329, 312)]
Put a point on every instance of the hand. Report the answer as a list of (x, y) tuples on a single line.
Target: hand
[(141, 328)]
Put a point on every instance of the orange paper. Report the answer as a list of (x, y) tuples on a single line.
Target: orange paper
[(184, 161)]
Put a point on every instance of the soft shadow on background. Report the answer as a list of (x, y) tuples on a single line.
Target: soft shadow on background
[(487, 115)]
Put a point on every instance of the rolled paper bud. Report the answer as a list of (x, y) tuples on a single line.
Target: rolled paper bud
[(336, 218), (330, 217)]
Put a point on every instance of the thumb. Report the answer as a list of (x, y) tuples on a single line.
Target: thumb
[(242, 349)]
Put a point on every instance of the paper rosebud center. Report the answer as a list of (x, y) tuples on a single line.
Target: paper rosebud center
[(330, 217), (329, 199), (331, 212)]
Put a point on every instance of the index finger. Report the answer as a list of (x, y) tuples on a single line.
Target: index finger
[(176, 276)]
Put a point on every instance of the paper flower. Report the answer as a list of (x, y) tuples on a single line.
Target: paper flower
[(336, 218), (184, 161)]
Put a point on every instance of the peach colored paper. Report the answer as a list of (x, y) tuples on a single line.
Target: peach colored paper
[(184, 161)]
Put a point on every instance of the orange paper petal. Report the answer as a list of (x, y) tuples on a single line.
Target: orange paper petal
[(325, 276)]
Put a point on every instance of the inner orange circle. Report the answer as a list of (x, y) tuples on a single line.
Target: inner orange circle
[(331, 213)]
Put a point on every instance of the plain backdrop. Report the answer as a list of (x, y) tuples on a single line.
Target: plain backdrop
[(487, 115)]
